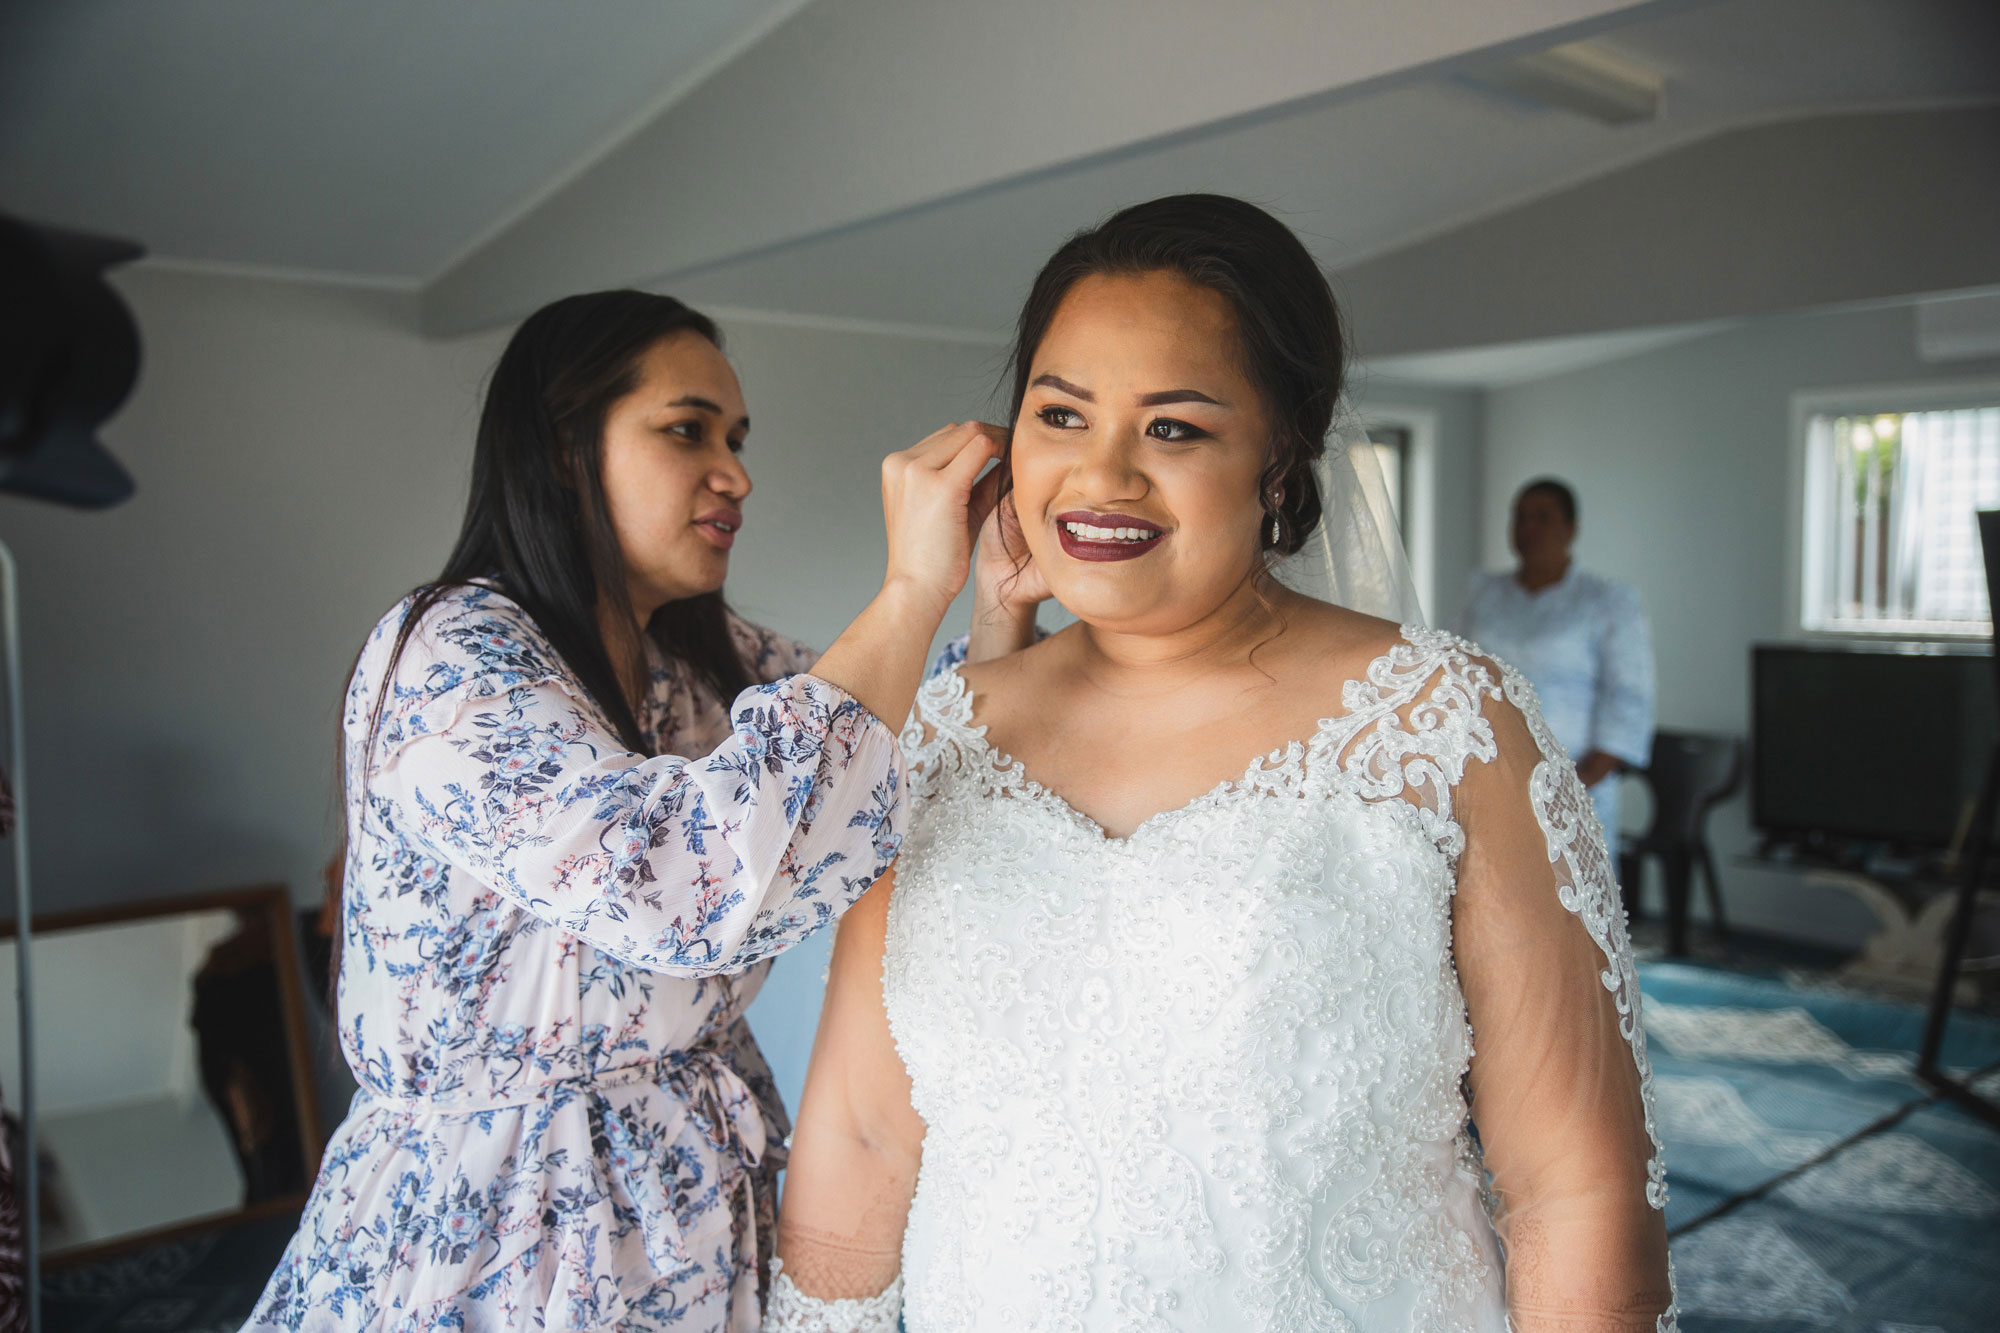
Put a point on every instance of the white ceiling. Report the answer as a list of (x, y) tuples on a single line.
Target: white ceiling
[(376, 138), (385, 139), (1362, 176), (1521, 362)]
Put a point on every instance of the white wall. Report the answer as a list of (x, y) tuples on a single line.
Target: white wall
[(301, 457), (1681, 462), (300, 461), (855, 112)]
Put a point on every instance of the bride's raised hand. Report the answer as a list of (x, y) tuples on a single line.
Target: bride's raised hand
[(1008, 587), (1006, 574), (933, 504)]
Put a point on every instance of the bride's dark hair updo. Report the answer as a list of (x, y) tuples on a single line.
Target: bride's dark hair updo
[(1287, 322)]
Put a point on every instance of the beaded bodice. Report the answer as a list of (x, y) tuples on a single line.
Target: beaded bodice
[(1210, 1074)]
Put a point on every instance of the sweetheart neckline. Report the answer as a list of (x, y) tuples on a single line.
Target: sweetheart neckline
[(1277, 761)]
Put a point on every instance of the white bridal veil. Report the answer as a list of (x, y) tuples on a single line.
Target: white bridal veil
[(1356, 557)]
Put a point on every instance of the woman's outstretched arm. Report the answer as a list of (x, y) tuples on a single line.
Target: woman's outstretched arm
[(1559, 1081), (482, 749), (855, 1151), (489, 758)]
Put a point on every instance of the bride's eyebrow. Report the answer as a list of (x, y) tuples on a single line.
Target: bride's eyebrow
[(1061, 385), (1160, 399), (1166, 396)]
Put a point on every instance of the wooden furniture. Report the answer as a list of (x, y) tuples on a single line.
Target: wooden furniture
[(174, 1068)]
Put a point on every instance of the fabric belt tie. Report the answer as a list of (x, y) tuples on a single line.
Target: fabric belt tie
[(720, 1106)]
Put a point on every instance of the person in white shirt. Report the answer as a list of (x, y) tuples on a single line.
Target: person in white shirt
[(1580, 638)]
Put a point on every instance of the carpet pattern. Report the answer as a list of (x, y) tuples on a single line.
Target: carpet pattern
[(204, 1283), (1815, 1184)]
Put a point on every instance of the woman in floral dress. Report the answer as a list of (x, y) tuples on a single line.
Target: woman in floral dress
[(570, 857)]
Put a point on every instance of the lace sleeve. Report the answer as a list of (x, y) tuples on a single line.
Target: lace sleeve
[(792, 1311), (937, 720), (1560, 1086), (855, 1153)]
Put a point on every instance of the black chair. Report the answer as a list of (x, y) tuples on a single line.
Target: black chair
[(1690, 774)]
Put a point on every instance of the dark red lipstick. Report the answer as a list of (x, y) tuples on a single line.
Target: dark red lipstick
[(1086, 535)]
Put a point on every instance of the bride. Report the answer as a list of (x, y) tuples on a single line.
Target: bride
[(1135, 1036)]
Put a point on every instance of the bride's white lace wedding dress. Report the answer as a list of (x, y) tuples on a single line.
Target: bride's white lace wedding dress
[(1214, 1074)]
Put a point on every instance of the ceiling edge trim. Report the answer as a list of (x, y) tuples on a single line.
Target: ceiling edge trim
[(316, 277), (878, 328)]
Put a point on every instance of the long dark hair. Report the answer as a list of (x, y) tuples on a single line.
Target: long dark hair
[(1287, 321), (537, 526), (536, 522)]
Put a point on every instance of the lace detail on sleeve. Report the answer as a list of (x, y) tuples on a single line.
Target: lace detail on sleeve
[(1414, 724), (792, 1311), (1589, 889), (941, 717)]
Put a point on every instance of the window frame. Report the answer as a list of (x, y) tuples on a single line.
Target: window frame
[(1419, 485), (1808, 498)]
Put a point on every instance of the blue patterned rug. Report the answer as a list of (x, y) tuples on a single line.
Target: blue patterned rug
[(203, 1283), (1815, 1183)]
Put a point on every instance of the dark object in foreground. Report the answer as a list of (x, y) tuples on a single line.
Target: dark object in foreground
[(69, 353)]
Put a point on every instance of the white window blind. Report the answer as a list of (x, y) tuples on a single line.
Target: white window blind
[(1892, 544)]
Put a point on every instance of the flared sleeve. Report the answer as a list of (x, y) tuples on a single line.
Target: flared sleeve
[(490, 755), (1560, 1085)]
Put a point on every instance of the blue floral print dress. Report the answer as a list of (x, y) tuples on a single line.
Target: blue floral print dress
[(549, 944)]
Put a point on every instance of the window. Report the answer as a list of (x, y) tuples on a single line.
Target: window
[(1891, 487), (1404, 442), (1392, 453)]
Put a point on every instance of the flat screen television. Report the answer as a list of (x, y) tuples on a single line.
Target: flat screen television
[(1866, 745)]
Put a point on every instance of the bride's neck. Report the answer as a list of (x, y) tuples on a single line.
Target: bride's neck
[(1223, 639)]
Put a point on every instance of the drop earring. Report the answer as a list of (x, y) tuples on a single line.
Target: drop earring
[(1276, 536)]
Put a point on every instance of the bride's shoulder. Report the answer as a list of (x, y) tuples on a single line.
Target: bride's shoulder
[(1332, 645), (1352, 659), (998, 680)]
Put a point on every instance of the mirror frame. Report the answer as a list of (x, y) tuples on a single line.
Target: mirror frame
[(274, 902)]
